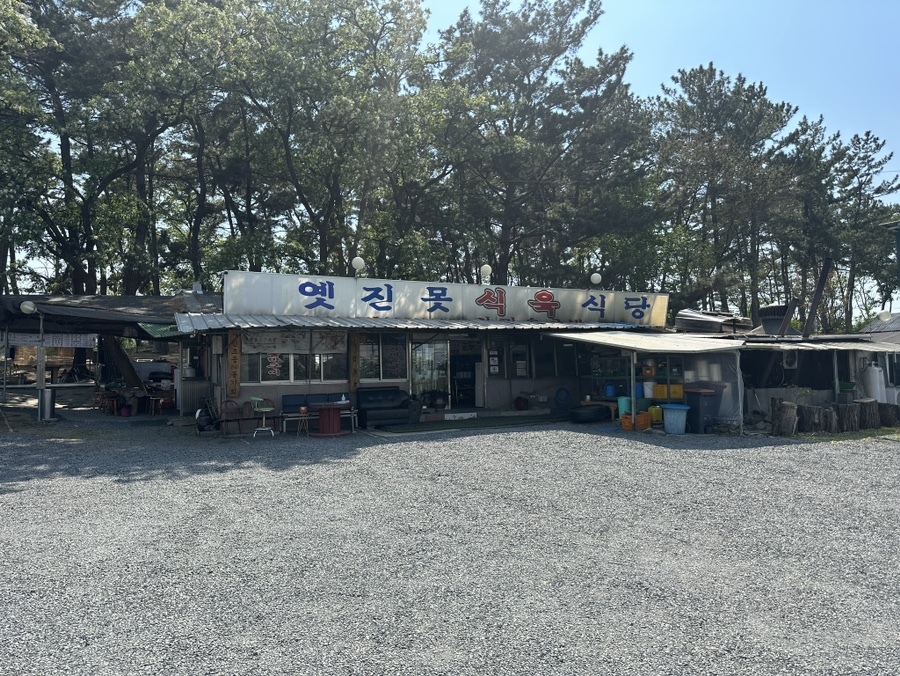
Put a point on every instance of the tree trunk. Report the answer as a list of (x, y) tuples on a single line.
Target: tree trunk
[(784, 420), (889, 414), (847, 416), (809, 419), (869, 419)]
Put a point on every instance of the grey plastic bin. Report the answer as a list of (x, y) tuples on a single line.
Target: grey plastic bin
[(47, 404)]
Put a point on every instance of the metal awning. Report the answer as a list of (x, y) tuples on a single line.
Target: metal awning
[(834, 345), (672, 343), (202, 323), (161, 331)]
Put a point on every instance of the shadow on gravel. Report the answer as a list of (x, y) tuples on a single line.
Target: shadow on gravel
[(29, 459), (87, 443), (725, 442)]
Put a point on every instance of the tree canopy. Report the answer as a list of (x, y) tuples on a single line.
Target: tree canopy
[(148, 145)]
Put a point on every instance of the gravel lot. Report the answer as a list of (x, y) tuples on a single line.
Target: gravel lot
[(132, 548)]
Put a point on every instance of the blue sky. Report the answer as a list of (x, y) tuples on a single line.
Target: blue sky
[(837, 59)]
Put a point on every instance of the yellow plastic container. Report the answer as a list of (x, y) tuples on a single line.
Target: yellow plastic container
[(668, 392), (656, 414)]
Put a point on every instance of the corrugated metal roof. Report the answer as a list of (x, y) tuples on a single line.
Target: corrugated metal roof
[(202, 323), (836, 345), (161, 330), (655, 342)]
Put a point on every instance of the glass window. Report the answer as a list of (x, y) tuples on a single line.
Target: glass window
[(275, 367), (393, 356), (287, 367), (249, 368), (383, 357), (370, 357), (334, 367), (301, 366)]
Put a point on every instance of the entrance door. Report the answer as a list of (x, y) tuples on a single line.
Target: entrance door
[(465, 361), (430, 378)]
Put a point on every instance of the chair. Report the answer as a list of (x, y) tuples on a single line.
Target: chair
[(274, 416), (352, 414), (99, 401), (262, 407), (155, 404), (231, 414), (248, 411), (111, 403)]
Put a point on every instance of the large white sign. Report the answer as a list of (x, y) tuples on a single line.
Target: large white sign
[(323, 296)]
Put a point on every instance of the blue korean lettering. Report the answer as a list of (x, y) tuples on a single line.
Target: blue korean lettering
[(322, 292), (596, 304), (379, 298), (437, 296), (637, 306)]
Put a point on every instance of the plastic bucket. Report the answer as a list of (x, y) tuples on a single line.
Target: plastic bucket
[(624, 405), (674, 418), (656, 415), (642, 404), (649, 386)]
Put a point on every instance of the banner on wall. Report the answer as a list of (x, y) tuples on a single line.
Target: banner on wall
[(233, 379), (323, 296), (86, 340), (292, 339)]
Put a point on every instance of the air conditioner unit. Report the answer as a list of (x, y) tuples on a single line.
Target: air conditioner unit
[(789, 359)]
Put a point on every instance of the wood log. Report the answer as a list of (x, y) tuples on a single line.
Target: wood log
[(784, 421), (869, 419), (889, 414), (809, 418), (847, 416), (830, 423)]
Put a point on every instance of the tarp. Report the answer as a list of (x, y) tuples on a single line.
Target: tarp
[(672, 343)]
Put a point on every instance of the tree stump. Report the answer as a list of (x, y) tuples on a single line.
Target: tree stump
[(830, 421), (869, 419), (889, 414), (847, 417), (809, 418), (784, 420)]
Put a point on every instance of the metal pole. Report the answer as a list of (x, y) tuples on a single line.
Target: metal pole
[(41, 357)]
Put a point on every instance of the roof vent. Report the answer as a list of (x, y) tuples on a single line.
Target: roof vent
[(771, 317)]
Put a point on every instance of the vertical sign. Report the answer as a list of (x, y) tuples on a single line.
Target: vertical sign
[(233, 378)]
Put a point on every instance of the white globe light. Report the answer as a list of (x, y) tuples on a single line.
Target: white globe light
[(358, 263), (486, 271), (28, 307), (884, 315), (595, 278)]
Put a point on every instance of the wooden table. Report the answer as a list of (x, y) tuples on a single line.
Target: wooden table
[(330, 419)]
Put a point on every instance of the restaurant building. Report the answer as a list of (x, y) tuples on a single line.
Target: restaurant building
[(452, 346)]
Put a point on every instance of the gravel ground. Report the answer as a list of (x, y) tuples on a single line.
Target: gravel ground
[(131, 548)]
